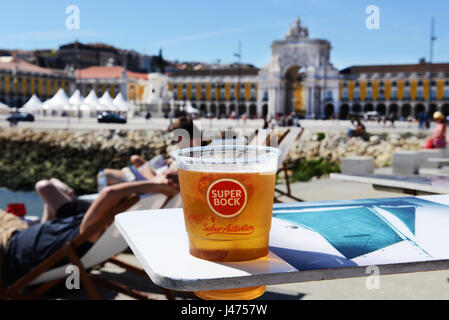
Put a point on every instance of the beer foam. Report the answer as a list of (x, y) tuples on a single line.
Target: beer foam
[(241, 159)]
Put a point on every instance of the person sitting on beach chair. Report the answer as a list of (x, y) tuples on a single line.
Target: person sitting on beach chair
[(141, 169), (22, 248)]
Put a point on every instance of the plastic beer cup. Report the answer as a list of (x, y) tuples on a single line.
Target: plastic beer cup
[(227, 194)]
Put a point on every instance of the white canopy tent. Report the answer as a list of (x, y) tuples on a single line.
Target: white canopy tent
[(34, 105), (107, 103), (76, 99), (75, 102), (4, 108), (87, 111), (58, 103), (120, 102), (90, 105), (124, 106)]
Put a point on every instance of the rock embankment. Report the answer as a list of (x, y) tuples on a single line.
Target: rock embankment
[(28, 156), (337, 145)]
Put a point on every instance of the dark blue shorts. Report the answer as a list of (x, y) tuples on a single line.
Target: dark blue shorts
[(28, 248)]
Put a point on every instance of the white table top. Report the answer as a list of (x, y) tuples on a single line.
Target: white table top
[(301, 248), (424, 183)]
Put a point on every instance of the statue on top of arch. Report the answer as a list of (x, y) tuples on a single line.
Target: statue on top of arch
[(297, 31)]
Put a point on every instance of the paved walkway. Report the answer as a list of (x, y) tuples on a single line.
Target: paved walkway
[(139, 123)]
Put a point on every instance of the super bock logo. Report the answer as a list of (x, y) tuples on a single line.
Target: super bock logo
[(227, 198)]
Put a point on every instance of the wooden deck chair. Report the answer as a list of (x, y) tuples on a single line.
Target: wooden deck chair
[(286, 142), (260, 138), (250, 137), (45, 276)]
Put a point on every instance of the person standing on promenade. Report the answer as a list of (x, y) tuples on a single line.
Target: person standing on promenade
[(437, 140)]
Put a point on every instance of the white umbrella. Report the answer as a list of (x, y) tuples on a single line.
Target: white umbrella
[(33, 105)]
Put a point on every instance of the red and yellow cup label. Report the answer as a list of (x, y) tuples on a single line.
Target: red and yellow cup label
[(227, 198)]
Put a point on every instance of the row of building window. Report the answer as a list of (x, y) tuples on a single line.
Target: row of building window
[(213, 90), (21, 85), (394, 94), (100, 89), (420, 83), (213, 85), (212, 96)]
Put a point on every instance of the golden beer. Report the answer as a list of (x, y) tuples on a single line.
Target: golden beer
[(216, 237), (227, 195)]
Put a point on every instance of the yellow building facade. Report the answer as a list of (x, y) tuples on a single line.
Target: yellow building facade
[(217, 93), (19, 81), (404, 90)]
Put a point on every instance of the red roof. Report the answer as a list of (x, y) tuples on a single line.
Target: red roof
[(217, 72), (396, 68), (105, 72), (10, 63)]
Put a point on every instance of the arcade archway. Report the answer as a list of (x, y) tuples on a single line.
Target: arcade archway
[(418, 109), (381, 109), (406, 110), (222, 111), (344, 112), (329, 111), (253, 111), (242, 109), (356, 108), (292, 81), (393, 109), (445, 109)]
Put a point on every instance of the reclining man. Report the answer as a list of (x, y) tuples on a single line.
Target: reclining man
[(22, 248)]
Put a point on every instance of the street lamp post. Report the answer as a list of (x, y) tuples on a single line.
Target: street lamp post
[(432, 40), (239, 56)]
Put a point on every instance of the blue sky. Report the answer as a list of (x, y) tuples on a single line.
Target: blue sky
[(208, 30)]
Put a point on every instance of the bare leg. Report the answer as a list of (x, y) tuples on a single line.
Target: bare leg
[(137, 160), (113, 176), (139, 163), (53, 198), (110, 197), (63, 187), (147, 172)]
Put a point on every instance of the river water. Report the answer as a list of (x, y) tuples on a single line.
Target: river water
[(33, 203)]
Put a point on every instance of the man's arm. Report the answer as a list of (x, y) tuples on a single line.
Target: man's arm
[(112, 196)]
